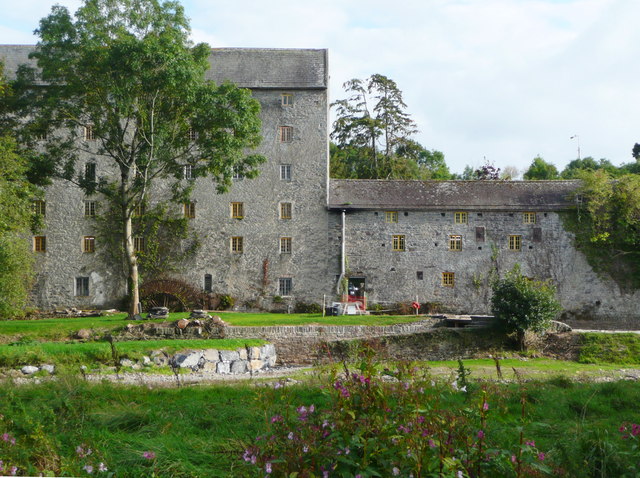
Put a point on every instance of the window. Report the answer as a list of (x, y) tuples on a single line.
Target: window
[(285, 245), (286, 99), (515, 243), (537, 234), (391, 216), (89, 133), (284, 286), (90, 172), (460, 218), (208, 283), (89, 209), (139, 210), (480, 234), (138, 244), (285, 134), (398, 243), (82, 286), (237, 175), (455, 243), (188, 171), (285, 172), (88, 244), (40, 243), (237, 210), (419, 275), (285, 210), (237, 245), (529, 217), (190, 209), (39, 207), (448, 279), (192, 134)]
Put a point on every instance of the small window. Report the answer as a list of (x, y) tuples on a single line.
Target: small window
[(89, 209), (285, 210), (286, 99), (448, 279), (515, 243), (237, 210), (285, 245), (285, 134), (139, 244), (82, 286), (208, 283), (140, 209), (39, 207), (89, 133), (529, 217), (419, 275), (88, 244), (398, 243), (537, 234), (480, 234), (188, 172), (192, 135), (237, 245), (285, 172), (90, 172), (455, 243), (190, 209), (391, 216), (460, 218), (237, 175), (40, 243), (284, 286)]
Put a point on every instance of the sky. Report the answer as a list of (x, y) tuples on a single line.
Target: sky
[(498, 81)]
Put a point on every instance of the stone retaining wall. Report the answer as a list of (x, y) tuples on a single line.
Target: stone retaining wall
[(243, 360)]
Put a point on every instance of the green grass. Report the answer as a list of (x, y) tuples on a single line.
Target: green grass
[(610, 348), (99, 353), (200, 431), (61, 328)]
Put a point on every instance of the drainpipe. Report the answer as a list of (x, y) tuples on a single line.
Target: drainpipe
[(343, 255)]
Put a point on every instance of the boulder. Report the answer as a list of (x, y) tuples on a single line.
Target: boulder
[(158, 313), (239, 366), (199, 314), (48, 368), (211, 355), (29, 369), (182, 323), (229, 355), (192, 360), (223, 367), (125, 362), (255, 365), (83, 334)]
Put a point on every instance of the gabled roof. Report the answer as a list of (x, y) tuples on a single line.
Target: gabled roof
[(355, 194), (246, 67)]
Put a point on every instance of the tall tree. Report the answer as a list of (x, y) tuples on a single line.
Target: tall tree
[(125, 85), (372, 134), (575, 168), (541, 169)]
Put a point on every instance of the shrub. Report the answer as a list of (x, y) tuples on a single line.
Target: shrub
[(226, 302), (522, 304), (304, 308)]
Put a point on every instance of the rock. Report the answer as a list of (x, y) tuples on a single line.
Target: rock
[(239, 366), (125, 362), (556, 326), (223, 367), (243, 354), (158, 313), (83, 334), (229, 355), (146, 360), (159, 358), (271, 361), (255, 365), (210, 367), (182, 323), (218, 321), (211, 355), (48, 368), (136, 317), (267, 350), (199, 314), (190, 360), (29, 369), (254, 352)]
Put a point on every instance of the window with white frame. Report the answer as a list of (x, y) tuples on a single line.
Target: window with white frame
[(237, 245), (286, 99), (237, 210), (187, 172), (285, 172), (285, 210), (285, 134), (89, 133), (89, 209), (285, 286), (139, 244), (89, 244), (455, 243), (82, 286), (285, 245)]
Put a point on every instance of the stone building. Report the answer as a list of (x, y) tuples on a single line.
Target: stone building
[(293, 233)]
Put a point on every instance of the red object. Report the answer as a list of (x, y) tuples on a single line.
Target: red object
[(415, 305)]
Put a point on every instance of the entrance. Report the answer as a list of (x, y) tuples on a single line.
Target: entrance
[(355, 286)]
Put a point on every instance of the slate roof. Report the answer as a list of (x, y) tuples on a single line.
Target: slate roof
[(246, 67), (356, 194)]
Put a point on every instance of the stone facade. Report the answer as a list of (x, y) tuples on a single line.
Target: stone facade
[(404, 239)]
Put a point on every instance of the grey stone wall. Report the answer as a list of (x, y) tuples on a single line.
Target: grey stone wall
[(548, 253)]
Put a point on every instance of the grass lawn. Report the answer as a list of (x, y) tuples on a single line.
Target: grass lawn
[(61, 328)]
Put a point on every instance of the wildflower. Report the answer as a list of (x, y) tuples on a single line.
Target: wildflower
[(267, 467), (312, 408), (278, 385), (395, 471), (290, 436), (635, 429), (88, 469), (513, 459), (302, 410), (485, 406), (253, 459), (347, 451), (541, 456), (459, 474), (358, 476), (1, 466), (102, 467), (246, 456), (305, 449), (530, 443), (480, 434), (13, 471), (149, 455), (432, 444), (276, 418), (325, 474)]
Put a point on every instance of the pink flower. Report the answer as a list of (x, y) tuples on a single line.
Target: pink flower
[(395, 471), (432, 444), (290, 436), (513, 459), (485, 406), (13, 471), (149, 455), (480, 434), (530, 443), (267, 467), (541, 456), (102, 467), (276, 418), (88, 468)]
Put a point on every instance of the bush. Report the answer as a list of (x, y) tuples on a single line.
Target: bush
[(304, 308), (226, 302), (522, 304)]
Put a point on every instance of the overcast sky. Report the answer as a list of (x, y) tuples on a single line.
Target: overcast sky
[(504, 80)]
